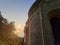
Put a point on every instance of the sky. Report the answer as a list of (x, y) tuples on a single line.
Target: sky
[(17, 11)]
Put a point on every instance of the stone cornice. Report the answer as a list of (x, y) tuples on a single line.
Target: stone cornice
[(34, 5)]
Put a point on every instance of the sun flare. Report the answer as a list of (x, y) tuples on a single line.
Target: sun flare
[(19, 30)]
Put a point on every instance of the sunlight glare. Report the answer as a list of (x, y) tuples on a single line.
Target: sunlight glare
[(19, 30)]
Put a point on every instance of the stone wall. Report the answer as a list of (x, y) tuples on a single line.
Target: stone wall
[(40, 30)]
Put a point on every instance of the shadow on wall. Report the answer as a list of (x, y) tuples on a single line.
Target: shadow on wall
[(54, 17)]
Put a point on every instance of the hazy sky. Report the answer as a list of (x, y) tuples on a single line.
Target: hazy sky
[(15, 10)]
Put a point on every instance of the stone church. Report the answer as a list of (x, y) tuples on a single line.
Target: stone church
[(43, 24)]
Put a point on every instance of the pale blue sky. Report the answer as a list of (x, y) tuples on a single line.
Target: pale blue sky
[(15, 10)]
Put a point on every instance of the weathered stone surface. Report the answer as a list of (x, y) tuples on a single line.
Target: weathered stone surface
[(40, 30)]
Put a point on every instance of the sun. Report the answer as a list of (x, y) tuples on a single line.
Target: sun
[(19, 30), (17, 26)]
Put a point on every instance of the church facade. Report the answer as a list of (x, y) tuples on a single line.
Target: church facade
[(44, 23)]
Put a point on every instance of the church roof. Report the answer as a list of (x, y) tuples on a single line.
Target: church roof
[(34, 4)]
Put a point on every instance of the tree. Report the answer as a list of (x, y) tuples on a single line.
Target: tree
[(6, 32)]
